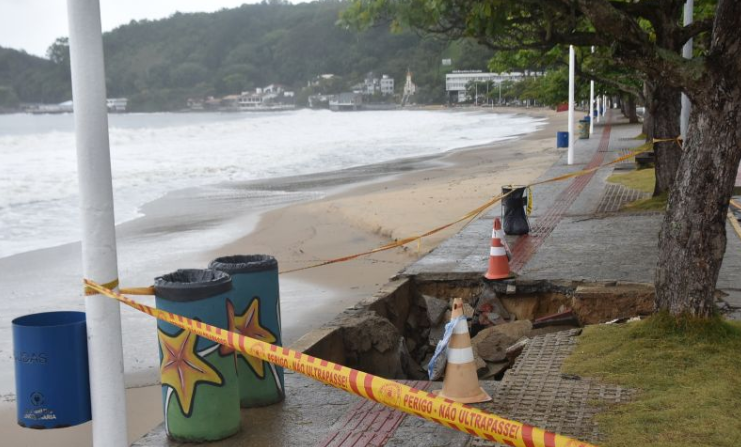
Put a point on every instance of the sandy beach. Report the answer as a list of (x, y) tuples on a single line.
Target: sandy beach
[(424, 195), (333, 214)]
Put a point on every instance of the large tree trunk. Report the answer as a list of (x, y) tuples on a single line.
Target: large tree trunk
[(630, 108), (663, 103), (693, 236)]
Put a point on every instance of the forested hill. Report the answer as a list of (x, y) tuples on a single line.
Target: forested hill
[(28, 78), (159, 64)]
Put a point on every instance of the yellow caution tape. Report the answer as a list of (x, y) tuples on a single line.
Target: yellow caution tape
[(109, 285), (677, 140), (386, 392), (734, 224), (470, 216), (138, 290)]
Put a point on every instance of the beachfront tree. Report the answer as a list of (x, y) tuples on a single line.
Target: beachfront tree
[(646, 36), (552, 65)]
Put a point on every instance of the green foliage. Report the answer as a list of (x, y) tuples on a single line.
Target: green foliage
[(686, 371), (31, 78), (159, 64), (8, 98)]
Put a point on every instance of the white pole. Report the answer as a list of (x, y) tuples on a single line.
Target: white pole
[(599, 106), (591, 104), (99, 263), (570, 154), (684, 119), (604, 105)]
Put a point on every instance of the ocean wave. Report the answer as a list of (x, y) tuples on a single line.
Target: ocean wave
[(153, 154)]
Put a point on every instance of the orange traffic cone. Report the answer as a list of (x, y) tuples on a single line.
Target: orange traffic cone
[(498, 262), (461, 384)]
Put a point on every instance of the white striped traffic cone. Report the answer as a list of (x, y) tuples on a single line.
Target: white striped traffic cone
[(498, 259), (461, 383), (497, 233)]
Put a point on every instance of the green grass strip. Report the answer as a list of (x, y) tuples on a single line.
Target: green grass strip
[(688, 372)]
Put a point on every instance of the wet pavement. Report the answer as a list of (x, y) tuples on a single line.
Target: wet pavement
[(318, 415)]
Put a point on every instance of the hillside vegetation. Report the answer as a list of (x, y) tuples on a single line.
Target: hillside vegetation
[(159, 64)]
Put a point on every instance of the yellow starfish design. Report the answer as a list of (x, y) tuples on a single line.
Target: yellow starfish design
[(182, 369), (248, 324)]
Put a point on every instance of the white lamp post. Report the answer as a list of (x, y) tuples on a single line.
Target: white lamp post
[(591, 104), (570, 154), (99, 262), (684, 117)]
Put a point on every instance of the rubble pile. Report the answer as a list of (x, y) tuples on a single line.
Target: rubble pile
[(498, 336)]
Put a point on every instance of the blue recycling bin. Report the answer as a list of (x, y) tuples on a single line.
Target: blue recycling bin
[(256, 314), (51, 370), (562, 139)]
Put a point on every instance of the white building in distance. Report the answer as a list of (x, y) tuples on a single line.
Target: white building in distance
[(458, 80), (372, 85), (387, 85), (117, 104), (409, 88)]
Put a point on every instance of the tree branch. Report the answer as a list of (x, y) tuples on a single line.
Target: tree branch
[(696, 28)]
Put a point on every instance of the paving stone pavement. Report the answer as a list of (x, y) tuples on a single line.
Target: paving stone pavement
[(616, 196), (535, 391)]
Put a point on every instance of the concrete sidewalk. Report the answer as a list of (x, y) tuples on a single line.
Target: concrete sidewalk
[(577, 232)]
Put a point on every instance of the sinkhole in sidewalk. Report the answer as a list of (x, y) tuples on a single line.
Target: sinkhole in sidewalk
[(394, 333)]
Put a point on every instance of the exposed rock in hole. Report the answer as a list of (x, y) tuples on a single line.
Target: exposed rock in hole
[(372, 345), (411, 368), (492, 343), (435, 309), (494, 370)]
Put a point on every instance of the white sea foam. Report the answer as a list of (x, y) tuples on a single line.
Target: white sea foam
[(154, 154)]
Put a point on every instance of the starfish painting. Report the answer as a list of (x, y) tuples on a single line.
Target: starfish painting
[(182, 369), (248, 324)]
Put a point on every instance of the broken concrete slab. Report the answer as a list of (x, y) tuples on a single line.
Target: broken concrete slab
[(492, 343), (435, 308), (551, 330)]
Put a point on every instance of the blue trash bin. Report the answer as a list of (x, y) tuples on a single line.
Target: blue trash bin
[(257, 302), (51, 370), (562, 139)]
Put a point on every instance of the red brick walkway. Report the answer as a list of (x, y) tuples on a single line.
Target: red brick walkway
[(527, 245), (367, 424)]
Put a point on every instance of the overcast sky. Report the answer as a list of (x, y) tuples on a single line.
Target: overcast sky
[(32, 25)]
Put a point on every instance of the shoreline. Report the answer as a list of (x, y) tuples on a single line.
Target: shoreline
[(325, 215)]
